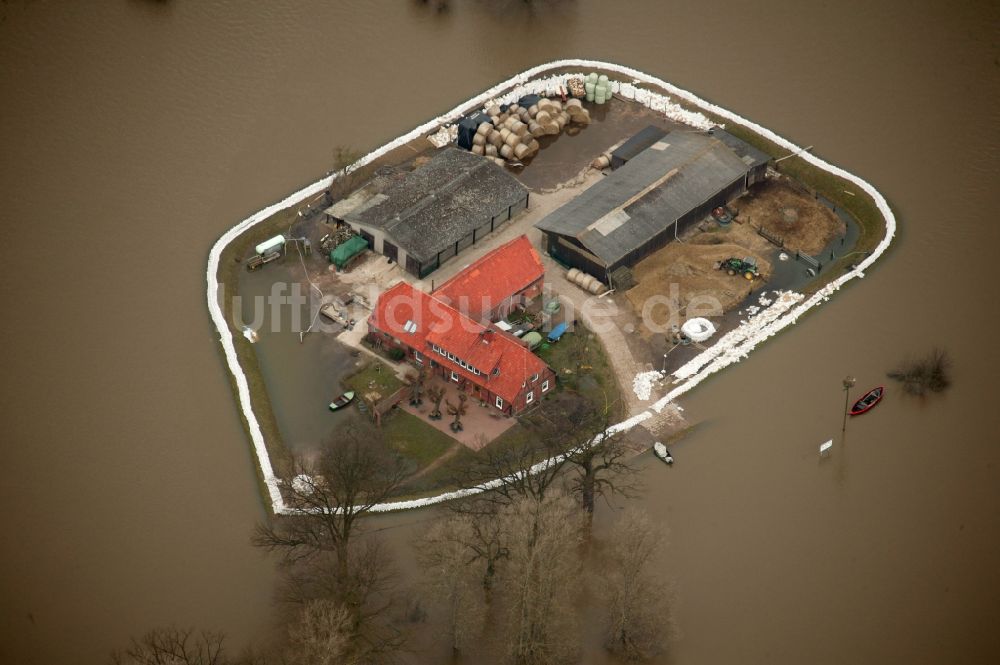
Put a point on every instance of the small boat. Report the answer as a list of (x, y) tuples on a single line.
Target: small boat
[(661, 451), (342, 401), (868, 401)]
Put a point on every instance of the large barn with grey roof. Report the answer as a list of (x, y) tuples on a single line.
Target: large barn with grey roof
[(424, 217), (650, 199)]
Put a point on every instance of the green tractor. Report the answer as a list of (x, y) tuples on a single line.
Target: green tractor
[(747, 266)]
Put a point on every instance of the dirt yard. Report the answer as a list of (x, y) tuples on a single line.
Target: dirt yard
[(804, 223), (691, 267)]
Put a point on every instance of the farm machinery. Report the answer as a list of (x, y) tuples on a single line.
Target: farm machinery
[(747, 266)]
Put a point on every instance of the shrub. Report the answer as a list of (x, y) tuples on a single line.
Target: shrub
[(396, 354), (928, 373)]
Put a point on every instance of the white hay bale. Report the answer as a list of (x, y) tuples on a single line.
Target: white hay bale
[(504, 133), (551, 128), (556, 106), (533, 110), (491, 150), (521, 151), (495, 139), (478, 149), (601, 163), (562, 120), (513, 108), (493, 109), (479, 140), (498, 161), (506, 151), (573, 104), (543, 117), (518, 127), (495, 120), (484, 128), (534, 146), (512, 139)]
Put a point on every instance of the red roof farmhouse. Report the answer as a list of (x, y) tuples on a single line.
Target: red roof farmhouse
[(493, 286), (485, 361)]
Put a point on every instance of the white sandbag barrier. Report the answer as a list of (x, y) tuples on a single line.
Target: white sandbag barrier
[(730, 348)]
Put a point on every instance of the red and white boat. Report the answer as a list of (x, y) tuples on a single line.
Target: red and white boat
[(871, 398)]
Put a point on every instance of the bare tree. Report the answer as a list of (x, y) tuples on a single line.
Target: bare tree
[(597, 456), (637, 599), (358, 613), (522, 469), (435, 393), (542, 577), (347, 178), (322, 635), (330, 498), (458, 410), (416, 378), (447, 554), (174, 646)]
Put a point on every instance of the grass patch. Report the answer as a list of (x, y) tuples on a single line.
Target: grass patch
[(414, 439), (375, 376), (589, 370)]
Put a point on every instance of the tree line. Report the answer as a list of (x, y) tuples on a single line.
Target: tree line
[(504, 573)]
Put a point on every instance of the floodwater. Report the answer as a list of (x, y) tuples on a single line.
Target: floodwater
[(134, 133)]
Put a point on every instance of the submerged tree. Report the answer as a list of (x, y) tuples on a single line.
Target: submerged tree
[(597, 456), (929, 373), (447, 554), (636, 597), (330, 498), (542, 580), (176, 646)]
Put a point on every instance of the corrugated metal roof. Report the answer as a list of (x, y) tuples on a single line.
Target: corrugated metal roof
[(654, 189), (747, 152), (434, 206)]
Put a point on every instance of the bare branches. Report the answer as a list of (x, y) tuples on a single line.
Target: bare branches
[(542, 581), (930, 373), (637, 599), (353, 475), (174, 646), (447, 554)]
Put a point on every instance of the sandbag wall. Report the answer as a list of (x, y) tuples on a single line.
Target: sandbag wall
[(512, 134)]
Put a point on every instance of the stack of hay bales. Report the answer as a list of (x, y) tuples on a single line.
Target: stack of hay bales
[(598, 88), (512, 135)]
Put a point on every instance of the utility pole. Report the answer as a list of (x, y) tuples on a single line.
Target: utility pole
[(849, 382)]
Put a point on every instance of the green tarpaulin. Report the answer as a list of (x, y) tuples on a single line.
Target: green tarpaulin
[(343, 253)]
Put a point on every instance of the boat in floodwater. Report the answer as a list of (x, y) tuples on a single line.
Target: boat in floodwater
[(661, 452), (342, 401), (871, 398)]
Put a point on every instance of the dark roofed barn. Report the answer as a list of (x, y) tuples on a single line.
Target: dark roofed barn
[(756, 159), (636, 145), (426, 216), (645, 203)]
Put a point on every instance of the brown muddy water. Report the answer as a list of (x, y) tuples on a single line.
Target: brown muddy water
[(134, 133)]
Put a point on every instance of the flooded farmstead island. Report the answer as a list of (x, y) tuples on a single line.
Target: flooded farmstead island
[(572, 348)]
